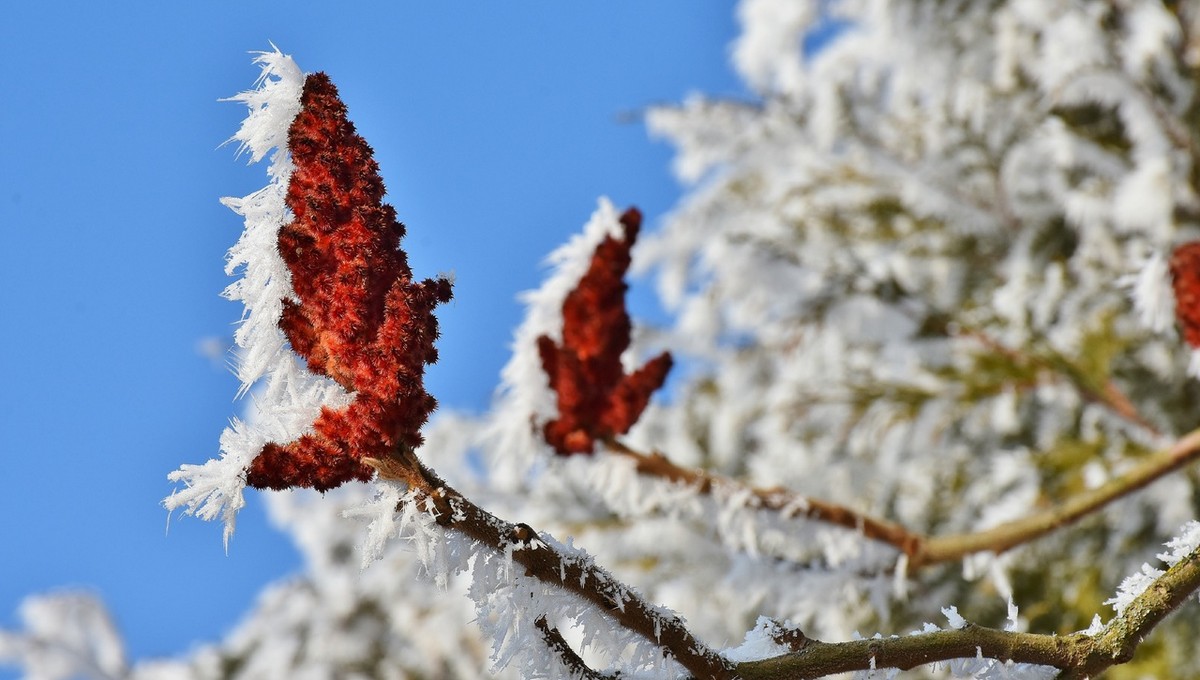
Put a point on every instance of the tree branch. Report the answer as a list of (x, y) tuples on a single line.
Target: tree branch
[(819, 659), (1079, 655), (541, 561), (788, 504), (932, 550), (921, 549), (1120, 639), (555, 641)]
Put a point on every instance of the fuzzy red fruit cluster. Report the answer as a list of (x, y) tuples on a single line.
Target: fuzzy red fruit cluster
[(1185, 278), (358, 317), (596, 399)]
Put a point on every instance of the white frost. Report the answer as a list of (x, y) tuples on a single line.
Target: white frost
[(524, 399), (954, 618), (1186, 542), (286, 403)]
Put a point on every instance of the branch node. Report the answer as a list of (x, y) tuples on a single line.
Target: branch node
[(523, 537), (789, 636)]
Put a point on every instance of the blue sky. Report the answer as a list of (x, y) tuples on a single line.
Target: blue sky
[(497, 126)]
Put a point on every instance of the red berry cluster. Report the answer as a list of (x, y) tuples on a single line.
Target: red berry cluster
[(596, 399), (358, 316)]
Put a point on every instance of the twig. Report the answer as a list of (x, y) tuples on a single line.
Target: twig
[(1011, 534), (1120, 639), (1108, 395), (1080, 655), (921, 549), (779, 500), (541, 561), (819, 659), (555, 641)]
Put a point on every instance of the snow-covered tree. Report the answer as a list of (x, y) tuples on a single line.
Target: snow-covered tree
[(935, 293)]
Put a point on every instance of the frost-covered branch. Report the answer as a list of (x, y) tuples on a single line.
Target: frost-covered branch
[(786, 503), (555, 641), (580, 577), (1080, 655), (920, 549), (1122, 636)]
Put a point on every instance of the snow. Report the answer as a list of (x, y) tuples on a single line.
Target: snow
[(956, 620), (1152, 295)]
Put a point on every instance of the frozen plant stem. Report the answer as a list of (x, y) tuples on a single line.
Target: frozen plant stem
[(555, 641), (1079, 654), (776, 499), (583, 579), (1107, 395), (923, 550)]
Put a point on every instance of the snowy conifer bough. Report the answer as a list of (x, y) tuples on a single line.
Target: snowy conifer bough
[(936, 292)]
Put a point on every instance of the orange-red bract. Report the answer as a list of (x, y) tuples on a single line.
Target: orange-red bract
[(1185, 279), (359, 318), (596, 399)]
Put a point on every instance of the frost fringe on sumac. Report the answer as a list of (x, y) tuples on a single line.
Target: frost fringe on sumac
[(596, 398), (358, 316)]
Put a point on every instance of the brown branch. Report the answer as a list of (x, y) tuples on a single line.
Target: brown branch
[(921, 549), (555, 641), (541, 561), (1011, 534), (819, 659), (1080, 655), (778, 500), (1108, 395)]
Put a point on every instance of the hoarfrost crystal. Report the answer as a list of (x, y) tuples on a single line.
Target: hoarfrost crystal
[(214, 489)]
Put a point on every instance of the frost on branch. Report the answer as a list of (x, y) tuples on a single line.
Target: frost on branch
[(1185, 279), (596, 398), (523, 396), (767, 639), (510, 604), (1186, 541), (1151, 291), (1167, 292)]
